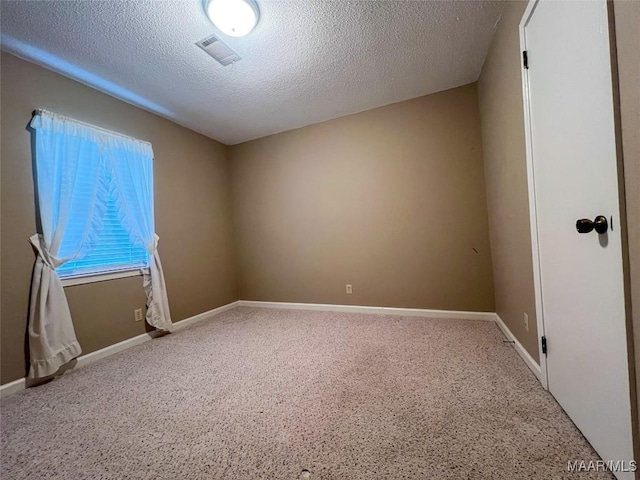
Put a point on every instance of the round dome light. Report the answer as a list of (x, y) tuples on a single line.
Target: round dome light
[(235, 18)]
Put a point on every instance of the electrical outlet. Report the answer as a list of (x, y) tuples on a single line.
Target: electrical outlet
[(349, 290), (137, 314), (526, 322)]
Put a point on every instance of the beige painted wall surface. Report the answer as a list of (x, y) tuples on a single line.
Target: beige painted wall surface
[(627, 18), (192, 206), (390, 200), (503, 142)]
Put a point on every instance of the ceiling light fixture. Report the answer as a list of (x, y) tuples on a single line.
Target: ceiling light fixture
[(235, 18)]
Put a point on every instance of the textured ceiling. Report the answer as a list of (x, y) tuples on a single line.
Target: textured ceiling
[(307, 61)]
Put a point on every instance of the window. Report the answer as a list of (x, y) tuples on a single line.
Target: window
[(94, 197), (94, 192), (114, 250)]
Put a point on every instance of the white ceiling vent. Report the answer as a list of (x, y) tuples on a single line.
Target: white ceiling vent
[(218, 50)]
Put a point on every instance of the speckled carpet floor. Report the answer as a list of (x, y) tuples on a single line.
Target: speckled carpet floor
[(283, 394)]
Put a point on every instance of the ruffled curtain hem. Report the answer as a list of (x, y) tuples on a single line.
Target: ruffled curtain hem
[(48, 366)]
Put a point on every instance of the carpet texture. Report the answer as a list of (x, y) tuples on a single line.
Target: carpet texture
[(283, 394)]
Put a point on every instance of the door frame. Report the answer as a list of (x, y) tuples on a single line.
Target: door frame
[(537, 276), (533, 215)]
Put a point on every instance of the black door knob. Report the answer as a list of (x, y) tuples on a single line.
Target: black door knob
[(599, 224)]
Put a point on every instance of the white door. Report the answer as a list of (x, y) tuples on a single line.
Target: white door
[(572, 151)]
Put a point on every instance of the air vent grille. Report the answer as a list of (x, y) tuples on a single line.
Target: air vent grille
[(218, 50), (208, 41)]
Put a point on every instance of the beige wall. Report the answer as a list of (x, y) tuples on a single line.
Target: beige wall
[(192, 205), (390, 200), (627, 19), (500, 95)]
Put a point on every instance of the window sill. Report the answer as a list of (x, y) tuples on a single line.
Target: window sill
[(101, 277)]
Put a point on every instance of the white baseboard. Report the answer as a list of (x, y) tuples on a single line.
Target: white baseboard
[(408, 312), (528, 359), (13, 387), (84, 360), (204, 315), (89, 358)]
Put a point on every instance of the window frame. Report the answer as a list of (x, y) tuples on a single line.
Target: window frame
[(97, 135), (82, 279)]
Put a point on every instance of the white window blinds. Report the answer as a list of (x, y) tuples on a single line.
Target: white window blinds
[(113, 251)]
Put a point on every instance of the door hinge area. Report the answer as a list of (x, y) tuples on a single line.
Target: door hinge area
[(544, 345), (525, 59)]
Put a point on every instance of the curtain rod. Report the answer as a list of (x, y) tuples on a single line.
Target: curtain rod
[(40, 111)]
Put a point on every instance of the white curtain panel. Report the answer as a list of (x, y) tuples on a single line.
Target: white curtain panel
[(67, 159), (132, 175), (70, 160)]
